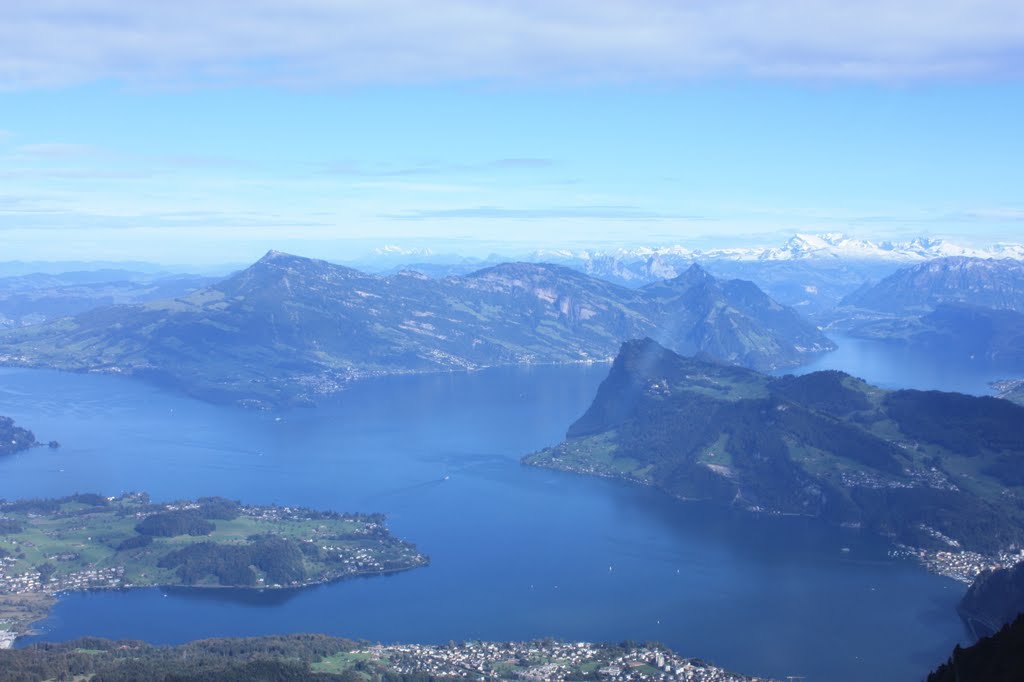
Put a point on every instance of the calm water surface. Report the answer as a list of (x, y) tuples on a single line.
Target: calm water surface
[(896, 366), (517, 553)]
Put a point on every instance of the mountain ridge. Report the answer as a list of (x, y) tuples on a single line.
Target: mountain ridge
[(289, 328), (805, 246), (960, 306), (983, 282)]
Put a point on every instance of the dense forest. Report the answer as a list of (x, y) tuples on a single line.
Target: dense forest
[(280, 559), (925, 468), (278, 658), (173, 523), (14, 438), (999, 658)]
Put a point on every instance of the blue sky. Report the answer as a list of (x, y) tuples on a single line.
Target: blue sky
[(199, 134)]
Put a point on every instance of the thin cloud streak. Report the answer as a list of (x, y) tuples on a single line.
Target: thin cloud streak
[(563, 212), (435, 168), (56, 150), (314, 43)]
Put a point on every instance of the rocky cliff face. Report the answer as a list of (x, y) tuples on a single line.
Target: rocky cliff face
[(993, 600)]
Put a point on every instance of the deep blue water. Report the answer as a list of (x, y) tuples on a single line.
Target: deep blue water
[(891, 365), (516, 552)]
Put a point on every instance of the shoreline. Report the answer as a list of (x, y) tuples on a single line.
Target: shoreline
[(338, 384), (8, 638), (962, 566)]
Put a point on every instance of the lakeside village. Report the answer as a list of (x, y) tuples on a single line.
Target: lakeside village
[(549, 660), (960, 565), (956, 563)]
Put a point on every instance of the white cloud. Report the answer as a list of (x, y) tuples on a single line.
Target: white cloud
[(429, 187), (600, 212), (329, 42)]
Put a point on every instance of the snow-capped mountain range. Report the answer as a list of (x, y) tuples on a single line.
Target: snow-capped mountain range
[(803, 247), (810, 271)]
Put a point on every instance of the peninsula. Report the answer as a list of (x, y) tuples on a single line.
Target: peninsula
[(936, 473), (88, 541), (13, 438)]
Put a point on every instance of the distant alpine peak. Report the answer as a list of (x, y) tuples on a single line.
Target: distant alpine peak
[(396, 250), (694, 274), (840, 246), (635, 252), (801, 246)]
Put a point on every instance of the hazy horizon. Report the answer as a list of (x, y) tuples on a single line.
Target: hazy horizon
[(388, 253), (184, 132)]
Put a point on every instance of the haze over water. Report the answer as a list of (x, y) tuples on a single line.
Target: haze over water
[(517, 553)]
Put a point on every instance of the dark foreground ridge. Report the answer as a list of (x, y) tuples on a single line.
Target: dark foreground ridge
[(938, 473), (999, 658), (321, 658)]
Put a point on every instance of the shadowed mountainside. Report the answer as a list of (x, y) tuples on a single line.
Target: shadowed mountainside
[(999, 658), (993, 600), (967, 307)]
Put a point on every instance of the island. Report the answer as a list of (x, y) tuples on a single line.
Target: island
[(320, 657), (88, 542), (938, 474), (14, 438)]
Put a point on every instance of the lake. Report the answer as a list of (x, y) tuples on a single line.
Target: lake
[(517, 553), (892, 365)]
